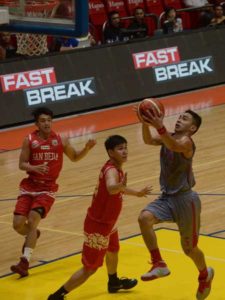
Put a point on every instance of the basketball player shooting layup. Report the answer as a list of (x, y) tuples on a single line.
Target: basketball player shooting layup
[(42, 158), (177, 203)]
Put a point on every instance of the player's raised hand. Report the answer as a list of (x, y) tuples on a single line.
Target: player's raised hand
[(142, 118), (90, 144), (154, 118)]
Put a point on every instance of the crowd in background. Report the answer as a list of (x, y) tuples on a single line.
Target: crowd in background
[(117, 29), (171, 21)]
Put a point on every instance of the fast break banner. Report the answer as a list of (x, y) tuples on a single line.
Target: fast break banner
[(93, 78)]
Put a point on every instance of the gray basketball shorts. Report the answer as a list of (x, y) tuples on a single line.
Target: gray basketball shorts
[(183, 209)]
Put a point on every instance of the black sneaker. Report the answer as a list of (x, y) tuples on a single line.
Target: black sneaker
[(122, 283), (53, 297)]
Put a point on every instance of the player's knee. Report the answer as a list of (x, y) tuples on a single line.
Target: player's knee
[(31, 225), (33, 220), (188, 251), (146, 218), (89, 272), (18, 226)]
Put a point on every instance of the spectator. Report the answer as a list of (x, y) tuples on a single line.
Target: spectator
[(113, 31), (59, 44), (88, 41), (204, 17), (138, 28), (219, 18), (65, 43), (172, 23), (8, 45), (91, 40)]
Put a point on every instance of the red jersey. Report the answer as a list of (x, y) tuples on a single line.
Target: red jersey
[(48, 151), (105, 208)]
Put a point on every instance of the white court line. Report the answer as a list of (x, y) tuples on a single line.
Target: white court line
[(174, 251), (61, 231), (51, 230)]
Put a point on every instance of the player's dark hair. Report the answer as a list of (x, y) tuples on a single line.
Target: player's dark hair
[(197, 120), (41, 111), (113, 141)]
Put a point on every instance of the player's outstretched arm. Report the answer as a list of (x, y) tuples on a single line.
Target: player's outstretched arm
[(148, 138), (140, 193), (115, 186), (72, 153)]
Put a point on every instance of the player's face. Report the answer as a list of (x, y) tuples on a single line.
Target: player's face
[(120, 153), (185, 123), (44, 124)]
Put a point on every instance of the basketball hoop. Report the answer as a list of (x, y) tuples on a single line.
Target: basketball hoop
[(30, 44)]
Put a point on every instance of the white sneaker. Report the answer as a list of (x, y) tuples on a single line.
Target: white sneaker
[(158, 270), (204, 287)]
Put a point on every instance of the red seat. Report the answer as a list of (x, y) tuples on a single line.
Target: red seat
[(152, 25), (177, 4), (194, 16), (97, 12), (154, 6), (117, 5), (131, 5), (97, 16)]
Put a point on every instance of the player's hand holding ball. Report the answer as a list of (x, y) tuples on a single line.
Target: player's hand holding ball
[(151, 112)]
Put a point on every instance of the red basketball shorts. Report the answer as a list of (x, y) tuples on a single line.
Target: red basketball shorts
[(99, 238), (33, 195)]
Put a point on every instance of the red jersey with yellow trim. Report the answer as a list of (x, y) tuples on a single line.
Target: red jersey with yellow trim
[(48, 152), (105, 208)]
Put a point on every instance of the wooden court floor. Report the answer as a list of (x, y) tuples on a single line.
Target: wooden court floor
[(62, 229)]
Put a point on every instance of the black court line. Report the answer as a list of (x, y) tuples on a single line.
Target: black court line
[(90, 195), (42, 262), (216, 232)]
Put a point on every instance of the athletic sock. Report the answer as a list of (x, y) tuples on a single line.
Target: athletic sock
[(203, 274), (113, 278), (27, 253), (155, 256)]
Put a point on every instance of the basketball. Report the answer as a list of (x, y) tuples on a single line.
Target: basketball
[(151, 105)]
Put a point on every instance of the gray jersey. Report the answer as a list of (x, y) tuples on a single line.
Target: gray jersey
[(176, 172)]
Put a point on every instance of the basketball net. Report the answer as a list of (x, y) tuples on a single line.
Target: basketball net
[(30, 44)]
